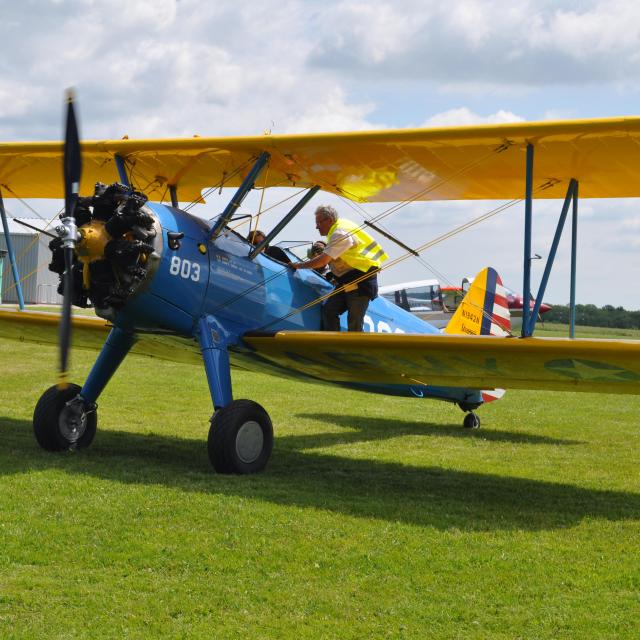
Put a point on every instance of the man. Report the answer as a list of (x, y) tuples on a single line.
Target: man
[(256, 237), (351, 253)]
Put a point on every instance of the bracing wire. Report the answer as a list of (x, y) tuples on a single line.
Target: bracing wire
[(23, 279), (225, 178), (36, 237), (23, 201), (382, 215), (266, 181), (429, 189), (420, 249), (396, 207), (262, 283), (273, 206), (355, 206)]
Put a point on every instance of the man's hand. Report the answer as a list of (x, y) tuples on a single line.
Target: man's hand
[(315, 263)]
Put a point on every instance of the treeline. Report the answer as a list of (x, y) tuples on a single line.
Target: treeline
[(592, 316)]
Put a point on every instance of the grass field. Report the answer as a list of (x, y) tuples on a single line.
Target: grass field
[(376, 518), (561, 330)]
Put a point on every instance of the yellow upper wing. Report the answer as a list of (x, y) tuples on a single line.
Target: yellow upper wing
[(479, 162)]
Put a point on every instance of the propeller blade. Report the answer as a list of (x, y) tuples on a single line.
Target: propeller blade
[(72, 169), (64, 334), (72, 158)]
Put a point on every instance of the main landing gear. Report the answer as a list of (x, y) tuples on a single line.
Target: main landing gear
[(62, 421), (240, 438), (241, 434)]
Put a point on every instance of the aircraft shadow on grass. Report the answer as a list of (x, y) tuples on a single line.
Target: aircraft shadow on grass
[(365, 428), (424, 496)]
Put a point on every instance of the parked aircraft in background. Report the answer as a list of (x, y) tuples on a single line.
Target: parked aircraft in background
[(423, 298), (434, 303), (452, 297)]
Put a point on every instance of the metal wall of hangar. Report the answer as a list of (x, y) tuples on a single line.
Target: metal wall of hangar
[(39, 285)]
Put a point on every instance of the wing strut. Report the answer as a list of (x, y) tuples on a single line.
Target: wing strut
[(173, 192), (573, 184), (122, 170), (529, 315), (285, 221), (528, 214), (12, 255), (574, 244), (236, 201)]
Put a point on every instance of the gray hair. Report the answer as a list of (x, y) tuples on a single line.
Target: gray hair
[(327, 211)]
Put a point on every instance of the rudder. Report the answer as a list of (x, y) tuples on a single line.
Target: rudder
[(484, 311)]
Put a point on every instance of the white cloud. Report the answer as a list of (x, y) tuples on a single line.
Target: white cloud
[(624, 234), (16, 98), (607, 29), (332, 112), (152, 68), (471, 21), (376, 30), (492, 42), (558, 114), (464, 116)]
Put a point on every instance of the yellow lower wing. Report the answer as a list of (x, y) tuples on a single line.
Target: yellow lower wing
[(90, 333), (480, 362)]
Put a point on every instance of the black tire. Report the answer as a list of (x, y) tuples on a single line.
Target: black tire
[(471, 421), (47, 428), (240, 438)]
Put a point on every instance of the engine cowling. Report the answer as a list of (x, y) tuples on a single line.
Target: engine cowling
[(118, 250)]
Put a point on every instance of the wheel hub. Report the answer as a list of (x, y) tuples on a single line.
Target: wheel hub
[(72, 422), (249, 441)]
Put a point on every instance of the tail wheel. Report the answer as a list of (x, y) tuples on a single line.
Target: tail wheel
[(61, 421), (240, 438), (471, 421)]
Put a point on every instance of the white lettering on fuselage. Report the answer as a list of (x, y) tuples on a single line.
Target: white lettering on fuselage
[(184, 268), (381, 327)]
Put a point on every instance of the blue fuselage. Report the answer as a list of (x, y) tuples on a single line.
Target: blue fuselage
[(217, 278)]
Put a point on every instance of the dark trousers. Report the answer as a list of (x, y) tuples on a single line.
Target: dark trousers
[(351, 301)]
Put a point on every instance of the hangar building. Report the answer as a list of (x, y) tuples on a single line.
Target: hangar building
[(39, 285)]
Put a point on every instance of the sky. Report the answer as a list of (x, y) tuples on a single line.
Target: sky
[(164, 68)]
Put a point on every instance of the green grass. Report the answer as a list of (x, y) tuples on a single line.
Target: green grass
[(52, 308), (376, 518), (562, 330)]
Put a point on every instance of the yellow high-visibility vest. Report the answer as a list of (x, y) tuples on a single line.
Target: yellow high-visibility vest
[(366, 253)]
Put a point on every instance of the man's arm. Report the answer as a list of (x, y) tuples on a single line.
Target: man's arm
[(315, 263), (340, 242)]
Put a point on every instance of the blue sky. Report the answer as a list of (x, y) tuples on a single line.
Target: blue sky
[(166, 68)]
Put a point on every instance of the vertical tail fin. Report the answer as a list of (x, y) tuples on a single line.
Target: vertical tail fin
[(484, 311)]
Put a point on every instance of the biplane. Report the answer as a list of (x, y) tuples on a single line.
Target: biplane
[(166, 283)]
